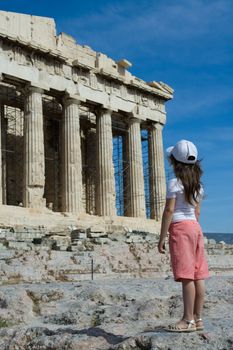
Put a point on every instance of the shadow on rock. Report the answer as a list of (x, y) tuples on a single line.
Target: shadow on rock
[(93, 332)]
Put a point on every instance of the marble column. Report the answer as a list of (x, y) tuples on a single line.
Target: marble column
[(3, 156), (34, 159), (136, 205), (1, 172), (157, 172), (105, 194), (91, 171), (71, 187)]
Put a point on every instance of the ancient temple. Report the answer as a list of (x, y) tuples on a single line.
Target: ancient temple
[(72, 126)]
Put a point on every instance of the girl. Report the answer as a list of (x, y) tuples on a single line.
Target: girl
[(180, 218)]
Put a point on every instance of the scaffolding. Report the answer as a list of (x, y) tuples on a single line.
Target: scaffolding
[(146, 171), (52, 112), (12, 154), (121, 166), (119, 169)]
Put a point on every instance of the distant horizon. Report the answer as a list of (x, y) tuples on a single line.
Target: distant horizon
[(219, 233)]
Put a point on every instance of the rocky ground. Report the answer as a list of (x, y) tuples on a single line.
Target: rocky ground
[(113, 314)]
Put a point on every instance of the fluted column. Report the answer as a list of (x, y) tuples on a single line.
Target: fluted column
[(34, 161), (71, 158), (157, 172), (136, 205), (1, 182), (105, 195), (3, 154), (91, 171)]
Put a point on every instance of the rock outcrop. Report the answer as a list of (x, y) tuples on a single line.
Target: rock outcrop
[(119, 314), (94, 290), (33, 255)]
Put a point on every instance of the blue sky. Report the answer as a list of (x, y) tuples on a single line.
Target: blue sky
[(189, 45)]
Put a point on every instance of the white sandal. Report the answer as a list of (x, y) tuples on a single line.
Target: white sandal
[(191, 327), (201, 327)]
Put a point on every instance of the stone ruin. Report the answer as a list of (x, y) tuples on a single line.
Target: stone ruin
[(73, 123), (81, 159)]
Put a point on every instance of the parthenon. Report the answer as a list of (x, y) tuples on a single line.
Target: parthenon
[(73, 124)]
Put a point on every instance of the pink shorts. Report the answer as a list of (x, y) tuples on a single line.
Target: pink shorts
[(186, 245)]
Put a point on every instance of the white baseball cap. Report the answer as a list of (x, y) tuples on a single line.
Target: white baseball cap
[(184, 151)]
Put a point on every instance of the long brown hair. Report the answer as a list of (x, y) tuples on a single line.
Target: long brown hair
[(190, 176)]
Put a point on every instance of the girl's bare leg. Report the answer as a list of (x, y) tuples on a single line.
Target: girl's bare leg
[(199, 300), (188, 290)]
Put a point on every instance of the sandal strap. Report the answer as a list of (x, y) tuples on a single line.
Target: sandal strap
[(190, 323), (199, 320)]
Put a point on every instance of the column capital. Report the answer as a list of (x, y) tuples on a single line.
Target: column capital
[(73, 98), (67, 100), (30, 88), (157, 126), (133, 120), (102, 110)]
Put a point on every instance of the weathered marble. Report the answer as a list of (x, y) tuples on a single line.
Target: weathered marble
[(157, 178), (119, 314), (70, 91), (71, 158), (105, 200), (34, 165), (136, 205), (30, 255)]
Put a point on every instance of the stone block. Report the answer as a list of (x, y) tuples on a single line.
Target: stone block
[(10, 236), (139, 232), (19, 245), (7, 254), (79, 243), (2, 234), (88, 245), (63, 247), (135, 239), (78, 234), (60, 239), (60, 233), (96, 234), (96, 228), (2, 246), (49, 243), (76, 248), (101, 240), (41, 247), (128, 229), (211, 241)]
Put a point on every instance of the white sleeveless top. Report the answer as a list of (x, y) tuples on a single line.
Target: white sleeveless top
[(183, 210)]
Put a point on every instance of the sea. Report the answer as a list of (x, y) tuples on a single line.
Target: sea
[(226, 237)]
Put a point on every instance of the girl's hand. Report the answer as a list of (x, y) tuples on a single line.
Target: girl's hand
[(161, 247)]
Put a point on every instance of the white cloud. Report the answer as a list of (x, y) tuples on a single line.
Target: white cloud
[(135, 23), (195, 102)]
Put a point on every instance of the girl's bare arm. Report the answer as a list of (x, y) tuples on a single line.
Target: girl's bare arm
[(197, 211), (166, 221)]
